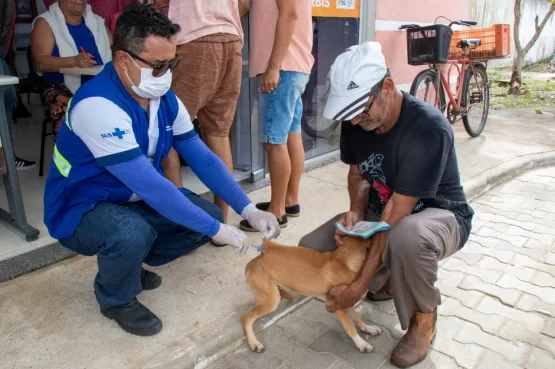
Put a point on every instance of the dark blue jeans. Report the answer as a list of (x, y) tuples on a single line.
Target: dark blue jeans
[(123, 237)]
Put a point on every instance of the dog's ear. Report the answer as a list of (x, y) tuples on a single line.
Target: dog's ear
[(354, 241), (366, 242)]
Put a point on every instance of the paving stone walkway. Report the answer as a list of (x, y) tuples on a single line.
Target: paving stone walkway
[(498, 308)]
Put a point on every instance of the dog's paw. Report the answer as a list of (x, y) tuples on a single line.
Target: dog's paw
[(257, 347), (362, 345), (372, 330)]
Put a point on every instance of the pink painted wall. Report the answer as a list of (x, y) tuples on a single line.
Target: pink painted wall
[(394, 48), (418, 10), (394, 43)]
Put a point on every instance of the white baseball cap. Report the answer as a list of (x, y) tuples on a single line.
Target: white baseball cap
[(352, 76)]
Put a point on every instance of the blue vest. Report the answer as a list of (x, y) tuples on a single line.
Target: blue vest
[(76, 182)]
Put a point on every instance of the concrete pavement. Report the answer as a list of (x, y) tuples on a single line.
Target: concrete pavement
[(498, 296), (49, 318)]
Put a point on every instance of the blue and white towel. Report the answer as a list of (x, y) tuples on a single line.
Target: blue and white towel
[(364, 229)]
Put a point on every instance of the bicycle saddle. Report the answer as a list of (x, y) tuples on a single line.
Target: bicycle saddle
[(469, 42)]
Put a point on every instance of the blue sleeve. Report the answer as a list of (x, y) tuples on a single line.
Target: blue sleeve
[(211, 170), (160, 194)]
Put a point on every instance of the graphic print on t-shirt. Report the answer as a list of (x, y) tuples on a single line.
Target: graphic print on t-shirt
[(384, 192), (371, 168), (380, 192), (372, 171)]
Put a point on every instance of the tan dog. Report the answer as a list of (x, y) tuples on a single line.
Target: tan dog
[(309, 273)]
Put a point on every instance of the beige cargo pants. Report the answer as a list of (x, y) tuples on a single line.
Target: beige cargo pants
[(414, 247)]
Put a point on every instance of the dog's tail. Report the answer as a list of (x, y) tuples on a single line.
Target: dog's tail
[(267, 243)]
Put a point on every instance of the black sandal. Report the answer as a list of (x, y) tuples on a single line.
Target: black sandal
[(291, 211), (246, 226)]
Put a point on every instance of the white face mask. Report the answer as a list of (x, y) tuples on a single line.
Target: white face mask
[(151, 87)]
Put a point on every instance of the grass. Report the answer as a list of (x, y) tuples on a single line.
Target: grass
[(539, 67), (534, 93)]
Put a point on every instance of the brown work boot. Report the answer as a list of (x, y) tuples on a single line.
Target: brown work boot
[(383, 294), (413, 347)]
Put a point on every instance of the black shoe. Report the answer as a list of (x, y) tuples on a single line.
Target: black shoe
[(150, 280), (291, 211), (22, 164), (134, 318), (246, 226)]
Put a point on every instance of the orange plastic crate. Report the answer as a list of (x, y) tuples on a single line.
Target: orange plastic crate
[(496, 42)]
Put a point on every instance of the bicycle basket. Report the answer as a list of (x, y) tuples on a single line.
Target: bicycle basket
[(428, 45)]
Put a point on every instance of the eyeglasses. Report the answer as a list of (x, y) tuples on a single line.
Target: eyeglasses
[(374, 97), (366, 110), (159, 68)]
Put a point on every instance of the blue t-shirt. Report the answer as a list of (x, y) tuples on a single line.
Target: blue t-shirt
[(83, 38)]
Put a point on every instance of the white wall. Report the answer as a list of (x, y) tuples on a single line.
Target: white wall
[(489, 12)]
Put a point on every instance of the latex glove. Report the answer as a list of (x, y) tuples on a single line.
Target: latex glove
[(234, 237), (266, 223)]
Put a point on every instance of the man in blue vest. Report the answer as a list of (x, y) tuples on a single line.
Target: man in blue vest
[(106, 194)]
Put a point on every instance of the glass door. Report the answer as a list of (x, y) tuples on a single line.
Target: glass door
[(336, 26), (240, 134), (332, 36)]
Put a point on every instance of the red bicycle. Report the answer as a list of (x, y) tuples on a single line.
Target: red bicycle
[(468, 100)]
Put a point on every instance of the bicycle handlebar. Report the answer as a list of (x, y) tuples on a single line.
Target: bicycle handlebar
[(409, 26), (464, 23), (460, 23)]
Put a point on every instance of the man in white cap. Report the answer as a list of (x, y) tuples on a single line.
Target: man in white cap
[(404, 171)]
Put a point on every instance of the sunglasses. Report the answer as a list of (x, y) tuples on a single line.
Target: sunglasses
[(158, 68)]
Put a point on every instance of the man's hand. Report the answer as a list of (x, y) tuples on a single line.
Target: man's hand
[(269, 80), (343, 296), (348, 220), (243, 7)]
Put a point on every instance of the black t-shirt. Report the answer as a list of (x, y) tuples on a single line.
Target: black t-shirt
[(415, 158)]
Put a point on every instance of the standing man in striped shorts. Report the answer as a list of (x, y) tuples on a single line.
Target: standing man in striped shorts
[(208, 79)]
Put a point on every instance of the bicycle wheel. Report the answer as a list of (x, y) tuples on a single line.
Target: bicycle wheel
[(318, 127), (426, 87), (475, 100), (315, 126)]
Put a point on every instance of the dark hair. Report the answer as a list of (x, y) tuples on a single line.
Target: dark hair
[(137, 23)]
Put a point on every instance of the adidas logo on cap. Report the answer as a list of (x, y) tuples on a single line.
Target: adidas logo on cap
[(352, 86), (352, 75)]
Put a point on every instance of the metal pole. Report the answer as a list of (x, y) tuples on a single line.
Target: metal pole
[(16, 214)]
